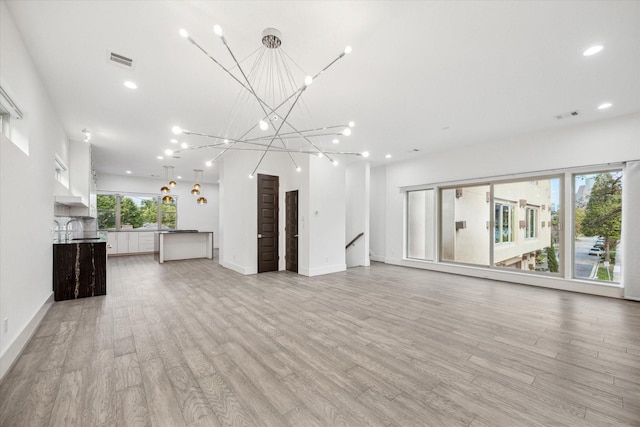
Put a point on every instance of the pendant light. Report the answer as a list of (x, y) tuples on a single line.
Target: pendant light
[(164, 189), (172, 183), (196, 188), (167, 199)]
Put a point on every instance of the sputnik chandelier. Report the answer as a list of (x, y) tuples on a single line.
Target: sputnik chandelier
[(270, 95)]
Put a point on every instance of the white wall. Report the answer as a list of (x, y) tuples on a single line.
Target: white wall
[(26, 198), (191, 216), (378, 213), (357, 213), (326, 217), (606, 141), (321, 208)]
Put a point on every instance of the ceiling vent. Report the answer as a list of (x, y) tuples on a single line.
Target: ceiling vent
[(567, 115), (120, 60)]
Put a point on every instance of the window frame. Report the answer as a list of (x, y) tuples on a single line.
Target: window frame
[(118, 210)]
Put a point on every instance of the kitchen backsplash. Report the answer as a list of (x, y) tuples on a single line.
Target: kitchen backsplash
[(78, 227)]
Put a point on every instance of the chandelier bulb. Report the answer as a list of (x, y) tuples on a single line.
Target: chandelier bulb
[(335, 163), (298, 169), (217, 30), (172, 183), (168, 152), (250, 176), (263, 125), (365, 154), (183, 33), (177, 130), (165, 189), (208, 163), (167, 199), (336, 141), (195, 191), (351, 124), (308, 80), (346, 132), (347, 50)]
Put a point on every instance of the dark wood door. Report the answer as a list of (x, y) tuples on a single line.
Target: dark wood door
[(267, 223), (291, 230)]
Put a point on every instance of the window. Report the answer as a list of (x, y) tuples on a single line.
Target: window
[(531, 225), (135, 212), (597, 225), (526, 232), (420, 224), (464, 230), (168, 214), (503, 218), (106, 211)]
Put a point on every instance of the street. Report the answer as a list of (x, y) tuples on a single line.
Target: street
[(583, 261)]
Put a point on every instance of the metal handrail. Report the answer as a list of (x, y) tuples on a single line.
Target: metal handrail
[(354, 240)]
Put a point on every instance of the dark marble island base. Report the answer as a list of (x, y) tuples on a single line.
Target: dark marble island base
[(79, 270)]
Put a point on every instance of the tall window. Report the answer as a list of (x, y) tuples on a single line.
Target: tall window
[(503, 218), (420, 224), (598, 221), (465, 232), (531, 223), (135, 212), (526, 216)]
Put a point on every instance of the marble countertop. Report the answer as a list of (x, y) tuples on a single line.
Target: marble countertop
[(82, 240)]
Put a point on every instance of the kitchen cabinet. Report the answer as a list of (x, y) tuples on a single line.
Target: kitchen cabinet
[(130, 242), (82, 180), (112, 243)]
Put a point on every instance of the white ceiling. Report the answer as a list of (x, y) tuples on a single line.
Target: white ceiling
[(423, 75)]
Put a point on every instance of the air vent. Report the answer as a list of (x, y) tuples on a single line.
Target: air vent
[(120, 60), (567, 115)]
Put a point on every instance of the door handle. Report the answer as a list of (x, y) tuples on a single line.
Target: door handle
[(295, 235), (259, 236)]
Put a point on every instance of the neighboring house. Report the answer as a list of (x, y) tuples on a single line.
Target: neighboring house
[(522, 223)]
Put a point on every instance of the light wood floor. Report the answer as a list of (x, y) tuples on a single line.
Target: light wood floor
[(191, 343)]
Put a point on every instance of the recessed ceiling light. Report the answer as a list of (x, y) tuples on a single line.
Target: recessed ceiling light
[(184, 145), (593, 50), (335, 141), (365, 154), (179, 177), (208, 163), (128, 171), (388, 156), (130, 85), (168, 152), (160, 157), (604, 105), (173, 141)]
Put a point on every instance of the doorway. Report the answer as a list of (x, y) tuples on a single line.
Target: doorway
[(268, 223), (291, 230)]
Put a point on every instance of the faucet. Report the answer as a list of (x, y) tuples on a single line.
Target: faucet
[(66, 228), (58, 229)]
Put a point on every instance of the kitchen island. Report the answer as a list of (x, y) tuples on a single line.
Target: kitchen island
[(184, 244), (79, 269)]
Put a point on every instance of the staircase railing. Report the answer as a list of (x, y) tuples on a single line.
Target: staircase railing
[(354, 240)]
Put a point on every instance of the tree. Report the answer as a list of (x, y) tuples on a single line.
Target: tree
[(149, 211), (130, 213), (106, 211), (603, 214), (552, 261), (579, 217)]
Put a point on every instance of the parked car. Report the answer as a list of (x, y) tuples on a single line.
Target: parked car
[(596, 251)]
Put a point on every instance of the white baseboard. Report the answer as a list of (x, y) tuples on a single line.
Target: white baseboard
[(11, 354), (237, 268), (327, 269), (377, 258)]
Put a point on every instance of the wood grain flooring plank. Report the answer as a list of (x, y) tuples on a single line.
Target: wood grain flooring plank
[(132, 408), (161, 402), (67, 408)]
